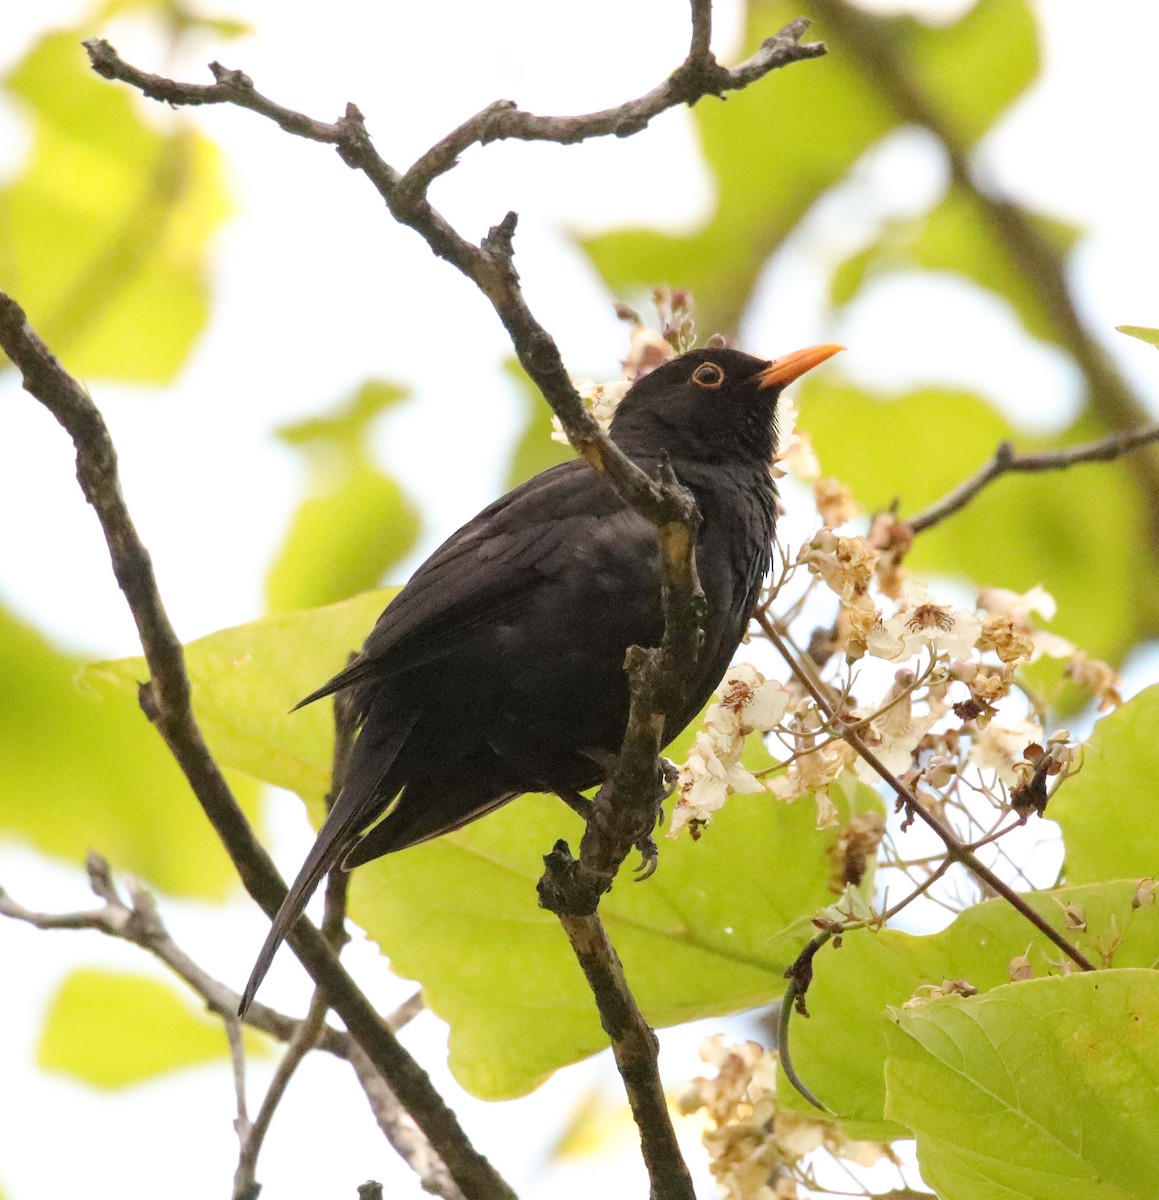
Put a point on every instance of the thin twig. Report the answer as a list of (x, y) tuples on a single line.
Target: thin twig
[(137, 920), (252, 1135), (1006, 462), (166, 699)]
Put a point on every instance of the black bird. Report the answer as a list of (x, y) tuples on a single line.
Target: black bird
[(499, 668)]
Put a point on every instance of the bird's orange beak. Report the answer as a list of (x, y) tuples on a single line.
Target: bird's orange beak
[(788, 367)]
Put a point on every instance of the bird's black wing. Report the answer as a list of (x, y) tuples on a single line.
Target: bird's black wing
[(489, 570)]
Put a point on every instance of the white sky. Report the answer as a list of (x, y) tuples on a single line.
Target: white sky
[(312, 263)]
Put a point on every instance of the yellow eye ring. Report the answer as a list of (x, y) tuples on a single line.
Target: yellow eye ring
[(708, 375)]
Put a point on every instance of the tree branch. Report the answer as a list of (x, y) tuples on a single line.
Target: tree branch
[(166, 699), (657, 676), (138, 921), (634, 1046), (1006, 461)]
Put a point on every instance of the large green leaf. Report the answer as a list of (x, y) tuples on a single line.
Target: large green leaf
[(357, 522), (1076, 532), (711, 932), (1034, 1090), (775, 148), (113, 1030), (105, 236), (1107, 811), (840, 1051), (246, 679), (81, 772)]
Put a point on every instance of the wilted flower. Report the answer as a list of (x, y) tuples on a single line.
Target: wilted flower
[(834, 501), (844, 563), (999, 747), (794, 449), (711, 773), (1097, 677), (601, 400)]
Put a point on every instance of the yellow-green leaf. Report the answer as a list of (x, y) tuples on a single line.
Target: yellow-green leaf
[(80, 771), (840, 1050), (105, 235), (246, 679), (113, 1030), (1036, 1090), (1107, 811)]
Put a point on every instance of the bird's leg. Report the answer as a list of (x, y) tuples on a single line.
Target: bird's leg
[(576, 801)]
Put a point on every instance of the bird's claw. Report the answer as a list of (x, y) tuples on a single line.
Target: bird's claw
[(669, 775), (650, 859)]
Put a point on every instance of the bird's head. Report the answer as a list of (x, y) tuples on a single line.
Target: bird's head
[(714, 405)]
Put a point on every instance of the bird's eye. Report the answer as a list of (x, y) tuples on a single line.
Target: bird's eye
[(708, 375)]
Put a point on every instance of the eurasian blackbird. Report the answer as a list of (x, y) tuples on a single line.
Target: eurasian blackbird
[(499, 668)]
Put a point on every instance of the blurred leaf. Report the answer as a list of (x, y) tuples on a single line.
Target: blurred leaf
[(534, 451), (113, 1030), (81, 772), (710, 933), (1107, 811), (176, 17), (773, 150), (1051, 528), (1144, 334), (105, 236), (840, 1051), (246, 680), (357, 524), (956, 236), (1036, 1090)]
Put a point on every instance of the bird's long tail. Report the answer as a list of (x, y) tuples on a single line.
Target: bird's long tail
[(359, 802)]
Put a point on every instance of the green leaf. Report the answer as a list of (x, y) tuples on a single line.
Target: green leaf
[(357, 523), (105, 237), (957, 236), (534, 450), (1107, 811), (776, 148), (1151, 336), (80, 771), (1034, 1090), (246, 679), (113, 1030), (1049, 528), (710, 933), (840, 1051)]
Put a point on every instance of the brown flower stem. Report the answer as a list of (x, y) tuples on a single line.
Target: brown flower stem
[(800, 976), (956, 849)]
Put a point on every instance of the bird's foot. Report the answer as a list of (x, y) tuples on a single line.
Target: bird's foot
[(650, 859)]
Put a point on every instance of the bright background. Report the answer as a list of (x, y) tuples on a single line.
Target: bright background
[(314, 290)]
